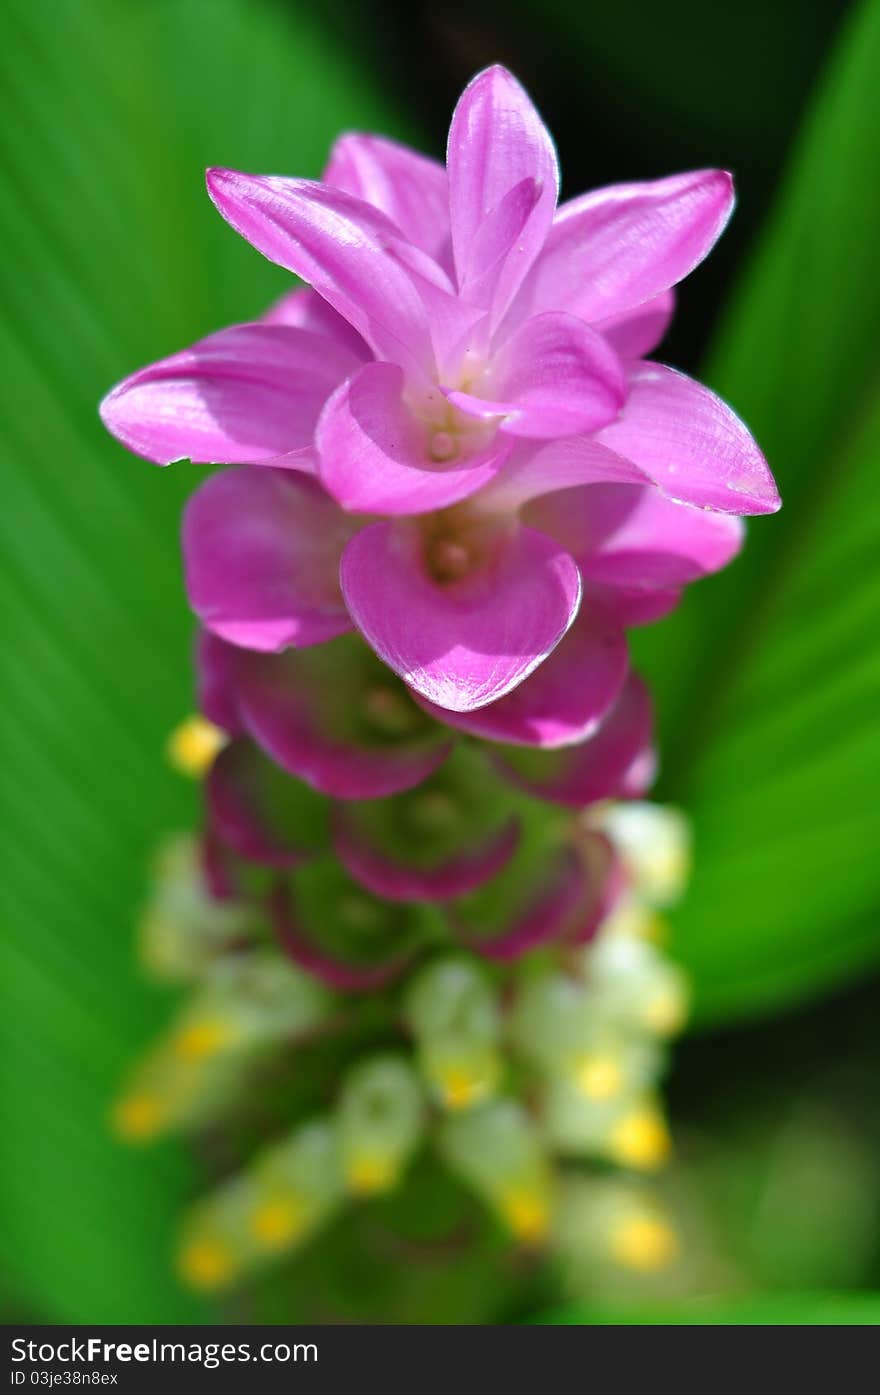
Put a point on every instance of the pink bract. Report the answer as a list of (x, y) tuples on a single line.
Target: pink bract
[(468, 444)]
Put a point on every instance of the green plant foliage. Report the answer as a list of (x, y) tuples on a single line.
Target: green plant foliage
[(113, 255), (768, 679), (755, 1310)]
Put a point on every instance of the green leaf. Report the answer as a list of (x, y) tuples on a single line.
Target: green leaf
[(753, 1310), (113, 255), (769, 677)]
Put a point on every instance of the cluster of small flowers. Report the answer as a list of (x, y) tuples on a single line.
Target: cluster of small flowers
[(515, 1075), (456, 482)]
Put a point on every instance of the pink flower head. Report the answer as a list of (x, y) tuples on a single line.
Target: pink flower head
[(469, 448)]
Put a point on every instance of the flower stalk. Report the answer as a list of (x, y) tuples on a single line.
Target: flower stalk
[(454, 482)]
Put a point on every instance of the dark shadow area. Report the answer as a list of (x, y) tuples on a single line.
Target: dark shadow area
[(742, 77)]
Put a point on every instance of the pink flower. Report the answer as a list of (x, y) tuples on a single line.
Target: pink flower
[(468, 449)]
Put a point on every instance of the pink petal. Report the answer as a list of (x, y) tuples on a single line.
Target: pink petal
[(410, 188), (239, 794), (347, 251), (691, 443), (221, 869), (564, 700), (305, 309), (244, 395), (619, 247), (467, 642), (623, 535), (605, 883), (640, 775), (546, 918), (374, 453), (637, 332), (396, 880), (261, 554), (608, 766), (629, 606), (496, 240), (553, 377), (533, 471), (215, 678), (497, 140), (335, 717)]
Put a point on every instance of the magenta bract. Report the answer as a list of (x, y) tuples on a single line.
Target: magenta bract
[(468, 445)]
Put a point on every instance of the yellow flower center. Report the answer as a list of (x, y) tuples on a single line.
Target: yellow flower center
[(641, 1140), (599, 1077), (526, 1211), (200, 1039), (206, 1263), (138, 1117), (644, 1243), (460, 540), (368, 1173), (461, 1086), (278, 1222)]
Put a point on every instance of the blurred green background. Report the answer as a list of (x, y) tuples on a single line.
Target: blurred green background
[(767, 679)]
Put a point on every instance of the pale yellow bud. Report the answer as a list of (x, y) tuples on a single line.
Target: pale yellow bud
[(640, 1140), (460, 1090), (139, 1117), (200, 1039), (369, 1173), (193, 746), (599, 1077), (655, 843), (644, 1243), (633, 917), (666, 1012), (526, 1211), (278, 1222), (206, 1263)]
